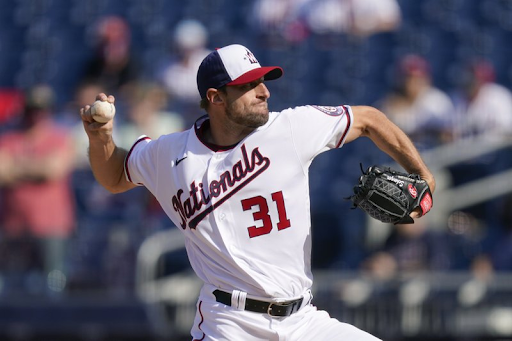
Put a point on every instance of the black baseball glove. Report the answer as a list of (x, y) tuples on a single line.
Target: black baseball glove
[(390, 196)]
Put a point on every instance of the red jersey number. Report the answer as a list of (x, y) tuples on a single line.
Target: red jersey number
[(263, 214)]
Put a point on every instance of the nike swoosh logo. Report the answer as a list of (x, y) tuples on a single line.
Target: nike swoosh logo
[(179, 160)]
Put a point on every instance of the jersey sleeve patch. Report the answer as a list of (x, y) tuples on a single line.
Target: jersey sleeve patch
[(331, 111)]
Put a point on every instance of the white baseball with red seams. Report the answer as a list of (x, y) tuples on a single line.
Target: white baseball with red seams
[(245, 211)]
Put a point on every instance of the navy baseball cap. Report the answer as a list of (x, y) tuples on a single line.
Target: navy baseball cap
[(232, 65)]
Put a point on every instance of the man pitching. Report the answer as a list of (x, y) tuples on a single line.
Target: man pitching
[(236, 184)]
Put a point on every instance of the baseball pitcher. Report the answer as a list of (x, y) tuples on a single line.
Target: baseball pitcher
[(236, 184)]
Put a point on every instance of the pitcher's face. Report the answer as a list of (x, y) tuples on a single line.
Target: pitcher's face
[(247, 105)]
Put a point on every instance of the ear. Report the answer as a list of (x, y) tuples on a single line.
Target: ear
[(214, 96)]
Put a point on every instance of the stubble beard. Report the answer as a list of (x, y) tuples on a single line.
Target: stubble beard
[(250, 119)]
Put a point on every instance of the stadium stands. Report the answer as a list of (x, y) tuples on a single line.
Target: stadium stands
[(50, 42)]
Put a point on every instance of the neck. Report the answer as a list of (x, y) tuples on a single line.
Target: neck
[(222, 134)]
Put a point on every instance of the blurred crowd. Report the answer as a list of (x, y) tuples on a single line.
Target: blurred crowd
[(60, 232)]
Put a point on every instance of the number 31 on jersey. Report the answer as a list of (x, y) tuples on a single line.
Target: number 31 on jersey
[(260, 208)]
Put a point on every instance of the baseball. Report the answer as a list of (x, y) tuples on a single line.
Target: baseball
[(103, 111)]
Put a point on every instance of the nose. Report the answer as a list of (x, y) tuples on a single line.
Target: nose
[(262, 91)]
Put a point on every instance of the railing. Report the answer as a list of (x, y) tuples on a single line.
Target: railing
[(420, 307), (170, 300)]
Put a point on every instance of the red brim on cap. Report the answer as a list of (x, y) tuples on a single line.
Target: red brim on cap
[(268, 72)]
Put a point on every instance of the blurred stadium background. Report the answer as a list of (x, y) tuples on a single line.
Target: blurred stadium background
[(126, 275)]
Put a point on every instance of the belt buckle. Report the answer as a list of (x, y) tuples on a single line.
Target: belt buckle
[(286, 304)]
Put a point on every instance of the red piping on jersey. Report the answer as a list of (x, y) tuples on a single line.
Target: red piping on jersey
[(346, 129), (130, 153), (200, 323)]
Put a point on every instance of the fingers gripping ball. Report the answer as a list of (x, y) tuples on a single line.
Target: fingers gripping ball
[(390, 196), (102, 111)]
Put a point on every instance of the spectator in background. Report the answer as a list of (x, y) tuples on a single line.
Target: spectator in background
[(417, 106), (410, 249), (179, 74), (483, 111), (279, 21), (360, 18), (37, 212), (148, 115), (482, 106), (114, 64), (291, 21)]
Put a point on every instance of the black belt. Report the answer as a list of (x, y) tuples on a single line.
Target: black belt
[(272, 308)]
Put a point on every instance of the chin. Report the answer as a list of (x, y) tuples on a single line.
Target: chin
[(258, 120)]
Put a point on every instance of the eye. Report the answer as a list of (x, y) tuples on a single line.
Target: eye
[(248, 86), (256, 83), (251, 85)]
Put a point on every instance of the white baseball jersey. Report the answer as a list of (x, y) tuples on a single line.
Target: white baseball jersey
[(244, 209)]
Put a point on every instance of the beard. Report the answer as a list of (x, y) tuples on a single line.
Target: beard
[(250, 119)]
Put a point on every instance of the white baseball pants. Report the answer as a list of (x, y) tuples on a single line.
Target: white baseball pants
[(215, 322)]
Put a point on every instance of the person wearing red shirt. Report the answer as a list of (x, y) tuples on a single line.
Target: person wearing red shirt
[(37, 211)]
